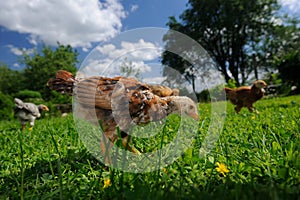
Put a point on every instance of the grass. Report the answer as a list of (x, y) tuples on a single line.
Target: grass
[(261, 151)]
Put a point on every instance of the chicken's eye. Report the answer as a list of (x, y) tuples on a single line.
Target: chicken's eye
[(191, 107)]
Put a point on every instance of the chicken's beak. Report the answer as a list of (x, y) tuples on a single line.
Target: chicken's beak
[(265, 85), (195, 116), (46, 108)]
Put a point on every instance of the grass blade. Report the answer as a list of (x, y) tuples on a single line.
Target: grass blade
[(58, 164)]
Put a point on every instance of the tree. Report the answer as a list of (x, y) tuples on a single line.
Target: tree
[(127, 69), (7, 107), (42, 66), (287, 39), (10, 80), (231, 31), (289, 69)]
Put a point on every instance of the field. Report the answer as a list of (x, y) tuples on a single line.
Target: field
[(256, 156)]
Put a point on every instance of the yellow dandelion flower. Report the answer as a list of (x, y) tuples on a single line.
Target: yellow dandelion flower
[(253, 117), (222, 168), (30, 128), (165, 170), (107, 183)]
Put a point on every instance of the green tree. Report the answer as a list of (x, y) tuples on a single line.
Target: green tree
[(285, 39), (231, 31), (6, 107), (289, 69), (10, 80), (127, 69), (42, 66)]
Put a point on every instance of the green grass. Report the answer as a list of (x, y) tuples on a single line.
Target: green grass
[(261, 151)]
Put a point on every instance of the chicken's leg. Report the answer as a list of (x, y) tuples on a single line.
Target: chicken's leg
[(106, 145), (126, 141), (238, 108), (23, 126), (108, 142)]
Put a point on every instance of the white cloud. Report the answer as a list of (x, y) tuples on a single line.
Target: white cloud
[(108, 58), (155, 80), (78, 23), (292, 5), (133, 8), (140, 50), (16, 65), (20, 51)]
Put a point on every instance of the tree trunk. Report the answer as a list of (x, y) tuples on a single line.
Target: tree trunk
[(255, 69)]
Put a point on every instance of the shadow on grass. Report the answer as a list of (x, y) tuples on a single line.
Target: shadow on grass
[(41, 180)]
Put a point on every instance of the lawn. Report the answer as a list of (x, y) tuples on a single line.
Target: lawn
[(255, 156)]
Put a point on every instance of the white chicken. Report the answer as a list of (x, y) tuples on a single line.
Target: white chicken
[(28, 112)]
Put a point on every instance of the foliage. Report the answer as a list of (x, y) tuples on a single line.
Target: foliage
[(59, 103), (241, 36), (215, 93), (128, 69), (261, 152), (273, 78), (289, 69), (25, 94), (42, 66), (60, 99), (30, 84), (285, 39), (231, 83), (203, 96), (6, 107), (10, 80)]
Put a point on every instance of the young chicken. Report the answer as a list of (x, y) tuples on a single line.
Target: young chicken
[(120, 102), (28, 112), (245, 96)]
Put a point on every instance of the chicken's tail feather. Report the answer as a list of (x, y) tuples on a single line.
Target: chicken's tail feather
[(18, 103), (62, 83), (227, 89)]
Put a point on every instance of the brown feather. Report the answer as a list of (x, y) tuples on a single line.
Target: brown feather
[(119, 101), (245, 96)]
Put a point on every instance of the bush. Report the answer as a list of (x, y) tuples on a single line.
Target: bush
[(58, 98), (289, 70), (7, 107), (215, 93), (231, 83), (28, 94), (203, 96)]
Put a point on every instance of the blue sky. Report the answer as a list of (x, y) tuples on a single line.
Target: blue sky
[(25, 25)]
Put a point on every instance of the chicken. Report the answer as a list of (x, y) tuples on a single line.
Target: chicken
[(28, 112), (163, 91), (245, 96), (121, 102)]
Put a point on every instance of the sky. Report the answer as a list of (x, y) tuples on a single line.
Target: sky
[(26, 25)]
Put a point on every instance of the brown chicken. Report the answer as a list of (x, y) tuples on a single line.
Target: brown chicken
[(245, 96), (121, 102), (163, 91)]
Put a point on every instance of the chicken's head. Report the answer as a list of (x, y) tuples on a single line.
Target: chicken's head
[(43, 107), (183, 105), (260, 84)]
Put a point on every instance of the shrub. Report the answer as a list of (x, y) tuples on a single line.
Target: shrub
[(203, 96), (7, 107), (26, 94), (231, 83)]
